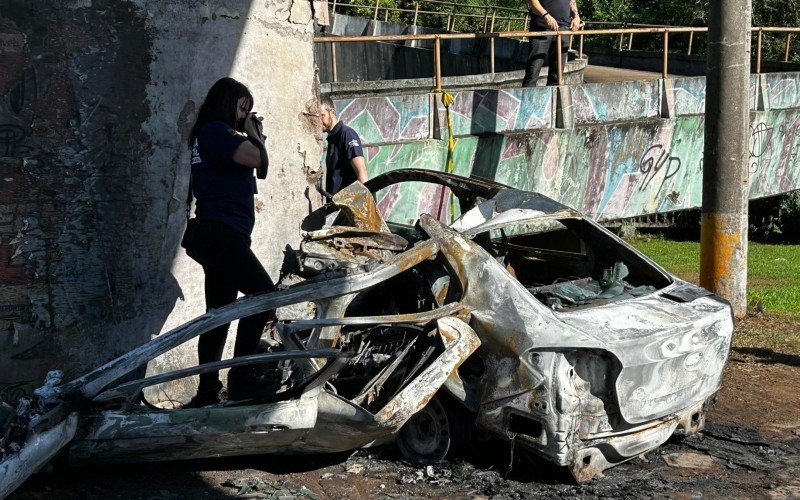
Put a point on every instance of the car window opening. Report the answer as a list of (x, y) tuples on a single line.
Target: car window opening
[(569, 264)]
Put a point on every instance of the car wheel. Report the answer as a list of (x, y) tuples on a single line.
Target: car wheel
[(442, 427), (425, 438)]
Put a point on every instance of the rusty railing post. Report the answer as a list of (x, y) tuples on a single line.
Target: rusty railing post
[(375, 18), (786, 52), (758, 51), (333, 62), (665, 61), (437, 64), (491, 54), (558, 58)]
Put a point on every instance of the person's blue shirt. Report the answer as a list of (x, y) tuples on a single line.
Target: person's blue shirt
[(224, 189), (343, 145)]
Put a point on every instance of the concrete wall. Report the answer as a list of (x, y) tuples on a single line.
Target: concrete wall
[(611, 150), (96, 101)]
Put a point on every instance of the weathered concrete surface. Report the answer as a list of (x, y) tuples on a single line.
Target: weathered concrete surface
[(96, 101), (610, 150), (723, 236)]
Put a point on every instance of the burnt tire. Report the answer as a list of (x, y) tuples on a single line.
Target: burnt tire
[(443, 427)]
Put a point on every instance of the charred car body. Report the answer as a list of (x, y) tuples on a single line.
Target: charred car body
[(523, 318)]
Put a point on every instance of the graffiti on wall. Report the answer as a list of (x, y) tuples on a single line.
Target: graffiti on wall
[(606, 166)]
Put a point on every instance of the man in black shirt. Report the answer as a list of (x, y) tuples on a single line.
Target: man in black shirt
[(549, 15), (344, 162)]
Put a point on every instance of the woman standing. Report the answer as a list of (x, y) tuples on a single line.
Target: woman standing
[(218, 238)]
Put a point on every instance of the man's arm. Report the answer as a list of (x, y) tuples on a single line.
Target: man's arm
[(536, 6), (575, 24), (360, 166)]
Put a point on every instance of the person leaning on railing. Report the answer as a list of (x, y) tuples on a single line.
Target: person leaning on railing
[(549, 15)]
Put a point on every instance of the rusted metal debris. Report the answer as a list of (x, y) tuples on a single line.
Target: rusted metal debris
[(444, 326)]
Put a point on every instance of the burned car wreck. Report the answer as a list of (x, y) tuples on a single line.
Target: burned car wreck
[(522, 318)]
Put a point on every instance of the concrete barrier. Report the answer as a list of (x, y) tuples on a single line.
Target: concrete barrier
[(611, 150)]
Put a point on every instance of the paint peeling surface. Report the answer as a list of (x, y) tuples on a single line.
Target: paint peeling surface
[(522, 318)]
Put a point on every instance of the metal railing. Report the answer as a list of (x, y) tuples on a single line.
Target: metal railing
[(664, 31)]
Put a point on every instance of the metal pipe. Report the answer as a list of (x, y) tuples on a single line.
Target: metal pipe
[(494, 13), (630, 42), (333, 10), (758, 51), (691, 39), (621, 37), (416, 12), (558, 59), (491, 55), (665, 61), (786, 52), (580, 45), (485, 18), (333, 62), (386, 15), (506, 34), (437, 64), (375, 19)]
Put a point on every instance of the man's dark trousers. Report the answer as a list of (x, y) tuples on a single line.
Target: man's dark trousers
[(543, 49)]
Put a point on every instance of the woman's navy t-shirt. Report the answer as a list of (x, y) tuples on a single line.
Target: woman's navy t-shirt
[(223, 189)]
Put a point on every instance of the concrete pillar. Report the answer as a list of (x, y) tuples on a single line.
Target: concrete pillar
[(723, 242), (96, 102)]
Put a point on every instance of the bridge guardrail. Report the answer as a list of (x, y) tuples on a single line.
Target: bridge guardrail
[(665, 31)]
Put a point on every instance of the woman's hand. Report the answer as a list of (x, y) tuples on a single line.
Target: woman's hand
[(254, 128)]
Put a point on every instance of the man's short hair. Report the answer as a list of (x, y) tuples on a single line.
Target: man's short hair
[(325, 102)]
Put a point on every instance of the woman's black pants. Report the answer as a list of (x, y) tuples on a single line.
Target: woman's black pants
[(230, 267)]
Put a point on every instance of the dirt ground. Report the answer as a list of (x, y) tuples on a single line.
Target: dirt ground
[(749, 449)]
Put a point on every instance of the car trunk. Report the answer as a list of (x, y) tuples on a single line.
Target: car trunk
[(672, 352)]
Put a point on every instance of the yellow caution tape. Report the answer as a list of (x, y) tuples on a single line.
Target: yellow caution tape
[(448, 99)]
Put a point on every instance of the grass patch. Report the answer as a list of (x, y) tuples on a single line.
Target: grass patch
[(773, 277), (773, 271)]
